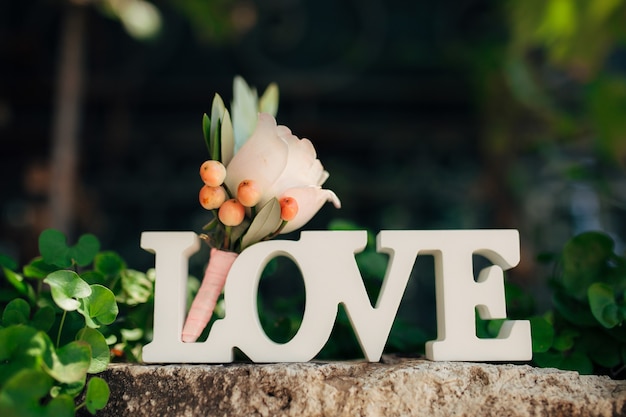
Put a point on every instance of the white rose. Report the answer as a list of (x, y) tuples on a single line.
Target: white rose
[(282, 166)]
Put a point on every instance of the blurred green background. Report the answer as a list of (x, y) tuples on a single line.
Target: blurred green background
[(454, 114)]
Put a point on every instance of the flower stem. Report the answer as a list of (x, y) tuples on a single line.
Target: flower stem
[(61, 327), (227, 232)]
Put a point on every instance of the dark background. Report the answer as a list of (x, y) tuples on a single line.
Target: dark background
[(454, 114)]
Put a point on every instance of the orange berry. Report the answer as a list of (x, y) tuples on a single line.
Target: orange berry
[(213, 173), (288, 208), (211, 197), (231, 212), (248, 193)]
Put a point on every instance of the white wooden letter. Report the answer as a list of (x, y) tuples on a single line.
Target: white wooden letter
[(458, 295), (172, 251), (331, 276)]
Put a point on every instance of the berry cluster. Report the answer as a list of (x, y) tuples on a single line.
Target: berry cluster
[(231, 211)]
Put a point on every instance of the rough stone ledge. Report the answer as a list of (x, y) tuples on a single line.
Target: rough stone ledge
[(394, 387)]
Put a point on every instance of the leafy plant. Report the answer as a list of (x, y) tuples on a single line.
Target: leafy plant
[(589, 301), (61, 324), (584, 331)]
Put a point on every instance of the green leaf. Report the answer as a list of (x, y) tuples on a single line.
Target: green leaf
[(602, 349), (603, 305), (264, 223), (109, 263), (38, 269), (16, 312), (54, 249), (237, 231), (215, 131), (97, 394), (23, 347), (519, 303), (585, 258), (618, 333), (72, 389), (93, 277), (565, 340), (572, 310), (493, 327), (216, 142), (268, 103), (206, 131), (542, 334), (131, 335), (23, 394), (66, 286), (99, 307), (17, 281), (571, 361), (227, 139), (43, 319), (7, 262), (137, 286), (577, 361), (70, 362), (100, 353), (85, 250), (211, 225)]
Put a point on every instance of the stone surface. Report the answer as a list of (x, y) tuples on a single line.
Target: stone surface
[(393, 387)]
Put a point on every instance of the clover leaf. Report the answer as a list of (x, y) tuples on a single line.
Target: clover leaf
[(54, 249), (38, 268), (43, 319), (601, 348), (585, 258), (23, 347), (23, 393), (70, 362), (542, 334), (8, 262), (100, 353), (17, 281), (564, 341), (16, 312), (66, 287), (573, 310), (97, 394), (99, 307), (575, 360), (109, 263), (603, 305), (138, 288)]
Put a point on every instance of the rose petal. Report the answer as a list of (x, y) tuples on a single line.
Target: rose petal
[(262, 158), (302, 167)]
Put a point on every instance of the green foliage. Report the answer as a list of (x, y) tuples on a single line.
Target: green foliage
[(264, 223), (589, 301), (68, 314), (574, 41), (585, 330)]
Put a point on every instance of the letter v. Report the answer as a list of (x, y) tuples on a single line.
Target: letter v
[(372, 325)]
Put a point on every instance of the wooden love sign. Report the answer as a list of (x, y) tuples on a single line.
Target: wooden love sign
[(331, 276)]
